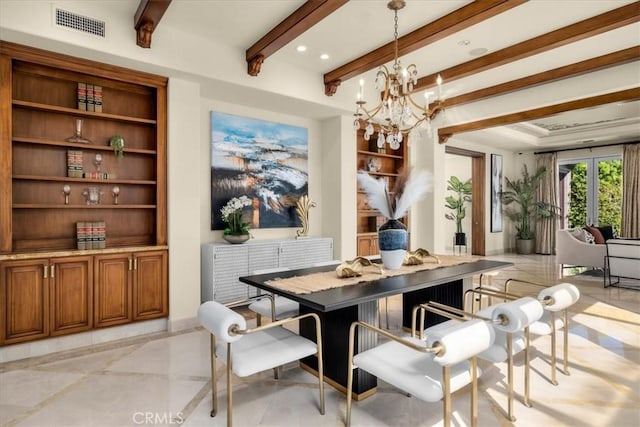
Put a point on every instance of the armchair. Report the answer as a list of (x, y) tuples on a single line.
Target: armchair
[(510, 321), (249, 351), (571, 251), (429, 372)]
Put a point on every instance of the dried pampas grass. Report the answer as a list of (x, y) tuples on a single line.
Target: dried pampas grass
[(408, 189)]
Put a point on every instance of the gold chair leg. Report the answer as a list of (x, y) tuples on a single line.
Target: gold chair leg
[(350, 375), (474, 392), (446, 398), (566, 343), (320, 367), (214, 387), (229, 388), (510, 415), (554, 381), (527, 368), (258, 319)]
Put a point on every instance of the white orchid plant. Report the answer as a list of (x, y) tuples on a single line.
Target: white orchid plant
[(232, 215)]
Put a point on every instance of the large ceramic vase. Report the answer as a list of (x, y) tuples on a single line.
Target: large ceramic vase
[(393, 242), (235, 238)]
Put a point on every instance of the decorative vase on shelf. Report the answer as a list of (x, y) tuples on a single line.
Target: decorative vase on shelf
[(393, 242), (235, 238)]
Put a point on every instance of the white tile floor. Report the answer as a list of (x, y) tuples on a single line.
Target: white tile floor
[(164, 379)]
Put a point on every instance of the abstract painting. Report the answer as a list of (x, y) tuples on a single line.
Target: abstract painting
[(263, 160), (496, 190)]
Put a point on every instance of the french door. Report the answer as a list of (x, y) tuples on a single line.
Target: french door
[(590, 191)]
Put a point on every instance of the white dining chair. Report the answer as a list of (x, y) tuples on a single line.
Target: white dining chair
[(554, 299), (249, 351), (510, 320), (275, 307), (428, 371)]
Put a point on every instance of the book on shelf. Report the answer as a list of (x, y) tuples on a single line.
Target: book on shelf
[(82, 96), (97, 98), (81, 235), (90, 98), (75, 168), (99, 175), (91, 234)]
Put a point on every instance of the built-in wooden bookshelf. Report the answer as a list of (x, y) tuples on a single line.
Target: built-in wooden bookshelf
[(39, 106), (386, 165)]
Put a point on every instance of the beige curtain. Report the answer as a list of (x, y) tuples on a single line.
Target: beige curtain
[(630, 191), (547, 192)]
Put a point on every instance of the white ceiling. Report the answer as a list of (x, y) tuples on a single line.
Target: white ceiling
[(363, 25)]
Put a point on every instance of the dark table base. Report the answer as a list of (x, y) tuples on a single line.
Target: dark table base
[(335, 334)]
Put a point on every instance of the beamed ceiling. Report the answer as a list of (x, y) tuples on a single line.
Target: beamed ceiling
[(517, 74)]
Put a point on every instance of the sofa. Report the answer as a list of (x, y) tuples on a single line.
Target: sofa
[(622, 259), (571, 250)]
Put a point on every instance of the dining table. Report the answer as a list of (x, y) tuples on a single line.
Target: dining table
[(339, 304)]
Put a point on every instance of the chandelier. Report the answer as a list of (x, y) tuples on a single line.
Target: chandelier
[(397, 112)]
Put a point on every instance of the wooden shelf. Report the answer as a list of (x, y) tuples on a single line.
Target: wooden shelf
[(45, 206), (87, 180), (382, 174), (368, 212), (81, 113), (383, 155), (79, 145)]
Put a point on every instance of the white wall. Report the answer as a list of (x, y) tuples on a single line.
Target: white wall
[(184, 187), (339, 176)]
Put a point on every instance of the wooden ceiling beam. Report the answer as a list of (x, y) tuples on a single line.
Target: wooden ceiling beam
[(147, 18), (599, 24), (305, 17), (632, 94), (455, 21), (572, 70)]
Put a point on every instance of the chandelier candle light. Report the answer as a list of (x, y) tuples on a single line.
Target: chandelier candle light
[(397, 112)]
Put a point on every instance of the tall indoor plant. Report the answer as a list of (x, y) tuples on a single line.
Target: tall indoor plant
[(457, 203), (521, 207)]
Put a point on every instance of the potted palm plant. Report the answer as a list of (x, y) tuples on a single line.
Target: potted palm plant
[(521, 207), (457, 205)]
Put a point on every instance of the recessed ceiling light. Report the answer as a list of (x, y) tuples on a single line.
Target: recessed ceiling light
[(464, 43), (324, 56), (478, 51), (301, 48)]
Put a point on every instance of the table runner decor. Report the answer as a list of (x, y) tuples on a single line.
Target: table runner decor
[(322, 281), (355, 267)]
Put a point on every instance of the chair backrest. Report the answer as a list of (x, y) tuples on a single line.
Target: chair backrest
[(462, 341), (563, 295), (518, 314), (219, 320)]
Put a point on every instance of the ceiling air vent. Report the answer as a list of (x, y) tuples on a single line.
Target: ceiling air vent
[(74, 21)]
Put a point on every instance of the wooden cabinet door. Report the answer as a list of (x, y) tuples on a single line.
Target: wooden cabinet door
[(112, 289), (150, 299), (24, 300), (71, 291), (368, 245)]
